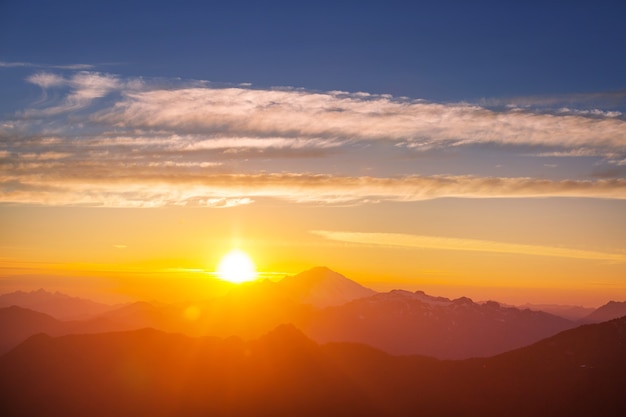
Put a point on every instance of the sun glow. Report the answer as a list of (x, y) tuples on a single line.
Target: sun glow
[(236, 267)]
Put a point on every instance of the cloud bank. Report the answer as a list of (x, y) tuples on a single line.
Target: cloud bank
[(337, 115), (104, 140), (128, 187)]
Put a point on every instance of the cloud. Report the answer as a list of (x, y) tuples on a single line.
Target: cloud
[(84, 88), (112, 185), (114, 141), (4, 64), (295, 113), (197, 108), (46, 80), (604, 98), (445, 243)]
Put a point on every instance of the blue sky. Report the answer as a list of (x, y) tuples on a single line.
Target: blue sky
[(513, 112), (434, 50)]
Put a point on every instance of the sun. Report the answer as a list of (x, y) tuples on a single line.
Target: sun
[(236, 267)]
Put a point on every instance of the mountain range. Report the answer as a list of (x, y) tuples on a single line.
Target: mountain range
[(579, 372), (58, 305), (404, 323), (325, 305)]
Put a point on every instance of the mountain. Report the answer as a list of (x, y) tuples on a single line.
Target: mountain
[(147, 372), (58, 305), (250, 311), (569, 312), (323, 287), (579, 372), (401, 322), (17, 324), (145, 314), (398, 322), (609, 311)]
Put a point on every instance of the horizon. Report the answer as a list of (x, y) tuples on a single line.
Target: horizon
[(226, 287), (460, 150)]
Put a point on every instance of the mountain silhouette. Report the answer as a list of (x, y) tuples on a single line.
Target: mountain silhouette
[(570, 312), (579, 372), (57, 305), (148, 372), (17, 324), (398, 322), (323, 287), (609, 311), (401, 322)]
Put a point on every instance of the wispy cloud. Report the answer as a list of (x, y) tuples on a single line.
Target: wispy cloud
[(454, 244), (603, 99), (84, 88), (295, 113), (4, 64), (116, 141), (147, 186), (199, 108)]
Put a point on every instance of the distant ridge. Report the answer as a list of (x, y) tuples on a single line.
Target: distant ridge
[(404, 323), (570, 312), (326, 306), (579, 372), (18, 323), (609, 311), (322, 287), (58, 305)]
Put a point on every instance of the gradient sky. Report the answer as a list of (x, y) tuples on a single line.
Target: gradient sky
[(475, 150)]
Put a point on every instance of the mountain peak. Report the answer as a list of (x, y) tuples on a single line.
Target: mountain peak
[(286, 340), (286, 331), (323, 287), (609, 311), (321, 269)]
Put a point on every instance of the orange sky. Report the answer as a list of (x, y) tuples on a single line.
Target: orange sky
[(509, 250), (114, 184)]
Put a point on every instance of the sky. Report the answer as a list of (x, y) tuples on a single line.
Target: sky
[(462, 148)]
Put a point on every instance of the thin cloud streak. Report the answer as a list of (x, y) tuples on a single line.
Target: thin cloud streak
[(4, 64), (605, 98), (50, 183), (454, 244)]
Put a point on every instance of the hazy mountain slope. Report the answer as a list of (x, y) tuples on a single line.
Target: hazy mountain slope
[(148, 372), (569, 312), (609, 311), (249, 312), (17, 324), (58, 305), (401, 322), (323, 287), (576, 373), (398, 322), (579, 372)]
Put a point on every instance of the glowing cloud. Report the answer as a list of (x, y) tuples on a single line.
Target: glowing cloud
[(159, 186), (109, 141), (444, 243), (295, 113)]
